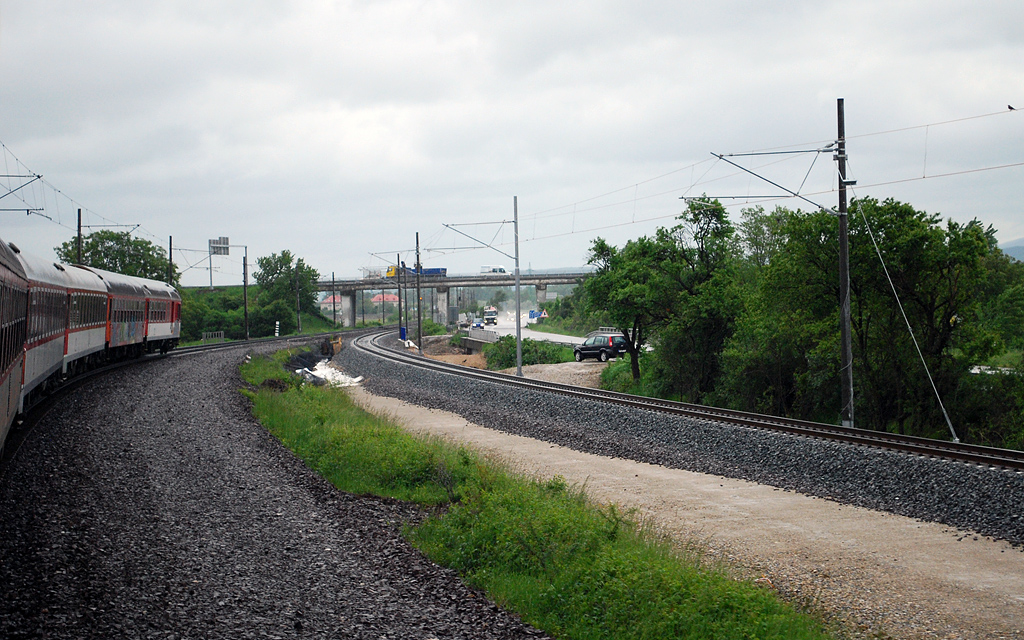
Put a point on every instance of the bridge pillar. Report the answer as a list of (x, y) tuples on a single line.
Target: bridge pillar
[(348, 309), (542, 294), (442, 305)]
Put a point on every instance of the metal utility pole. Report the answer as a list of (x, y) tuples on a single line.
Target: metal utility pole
[(419, 299), (844, 274), (334, 301), (245, 288), (519, 320), (79, 236), (170, 261), (398, 270), (406, 305), (298, 318)]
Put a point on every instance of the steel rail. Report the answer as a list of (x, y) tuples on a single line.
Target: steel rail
[(967, 453)]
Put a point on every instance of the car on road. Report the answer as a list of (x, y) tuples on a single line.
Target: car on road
[(601, 346)]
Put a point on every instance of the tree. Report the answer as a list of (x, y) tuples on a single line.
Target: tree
[(954, 286), (633, 286), (119, 252), (703, 249), (499, 298), (279, 276)]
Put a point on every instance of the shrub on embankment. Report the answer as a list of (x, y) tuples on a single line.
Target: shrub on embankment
[(502, 354), (539, 548)]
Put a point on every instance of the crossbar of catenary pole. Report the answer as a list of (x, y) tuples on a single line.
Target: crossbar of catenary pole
[(482, 243)]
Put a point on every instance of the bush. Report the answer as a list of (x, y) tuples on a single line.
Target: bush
[(502, 354)]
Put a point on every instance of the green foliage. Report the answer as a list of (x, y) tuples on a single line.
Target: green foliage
[(278, 279), (572, 316), (223, 310), (119, 252), (356, 451), (672, 278), (538, 547), (502, 354), (580, 571), (748, 318), (498, 299)]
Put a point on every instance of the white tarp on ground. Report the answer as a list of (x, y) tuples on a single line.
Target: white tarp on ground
[(329, 374)]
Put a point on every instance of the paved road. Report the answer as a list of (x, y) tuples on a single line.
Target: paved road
[(507, 326)]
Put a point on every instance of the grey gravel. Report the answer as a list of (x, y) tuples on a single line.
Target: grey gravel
[(983, 500), (166, 511)]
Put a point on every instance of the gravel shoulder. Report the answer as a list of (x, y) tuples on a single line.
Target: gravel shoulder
[(879, 571), (821, 523), (168, 512)]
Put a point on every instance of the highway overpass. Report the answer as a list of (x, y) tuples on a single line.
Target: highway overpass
[(348, 289)]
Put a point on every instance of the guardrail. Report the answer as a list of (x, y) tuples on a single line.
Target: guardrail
[(483, 335)]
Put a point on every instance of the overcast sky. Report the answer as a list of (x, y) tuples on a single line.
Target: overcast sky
[(337, 130)]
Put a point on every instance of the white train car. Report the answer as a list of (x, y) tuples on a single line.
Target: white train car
[(143, 315), (87, 319), (47, 324), (13, 322), (126, 313), (163, 316)]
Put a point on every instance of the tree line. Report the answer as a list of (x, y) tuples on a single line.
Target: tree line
[(746, 316)]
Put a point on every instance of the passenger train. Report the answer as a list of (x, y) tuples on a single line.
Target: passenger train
[(57, 320)]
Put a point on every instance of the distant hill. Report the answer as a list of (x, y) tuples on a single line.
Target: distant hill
[(1014, 248)]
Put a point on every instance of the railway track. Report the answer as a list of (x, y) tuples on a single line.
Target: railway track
[(960, 452)]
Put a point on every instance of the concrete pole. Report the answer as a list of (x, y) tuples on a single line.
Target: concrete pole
[(846, 365), (398, 271), (245, 288), (419, 299), (519, 328), (79, 236)]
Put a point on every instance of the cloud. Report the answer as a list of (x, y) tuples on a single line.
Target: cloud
[(339, 129)]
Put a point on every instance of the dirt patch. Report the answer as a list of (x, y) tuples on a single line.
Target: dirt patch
[(440, 346), (476, 360), (580, 374)]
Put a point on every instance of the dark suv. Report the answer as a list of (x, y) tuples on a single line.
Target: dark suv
[(602, 347)]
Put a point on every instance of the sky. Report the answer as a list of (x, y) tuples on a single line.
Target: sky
[(340, 130)]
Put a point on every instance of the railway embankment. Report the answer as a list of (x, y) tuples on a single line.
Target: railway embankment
[(892, 541)]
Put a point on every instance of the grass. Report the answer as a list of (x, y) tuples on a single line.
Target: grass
[(502, 354), (538, 547)]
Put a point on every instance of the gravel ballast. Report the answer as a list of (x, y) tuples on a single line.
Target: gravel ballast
[(168, 512), (987, 501)]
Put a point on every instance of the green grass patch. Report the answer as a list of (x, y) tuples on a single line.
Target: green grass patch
[(502, 354), (618, 376), (539, 548)]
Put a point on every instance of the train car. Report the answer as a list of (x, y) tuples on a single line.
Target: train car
[(57, 320), (13, 323), (163, 316), (47, 325), (125, 335), (86, 341), (144, 315)]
